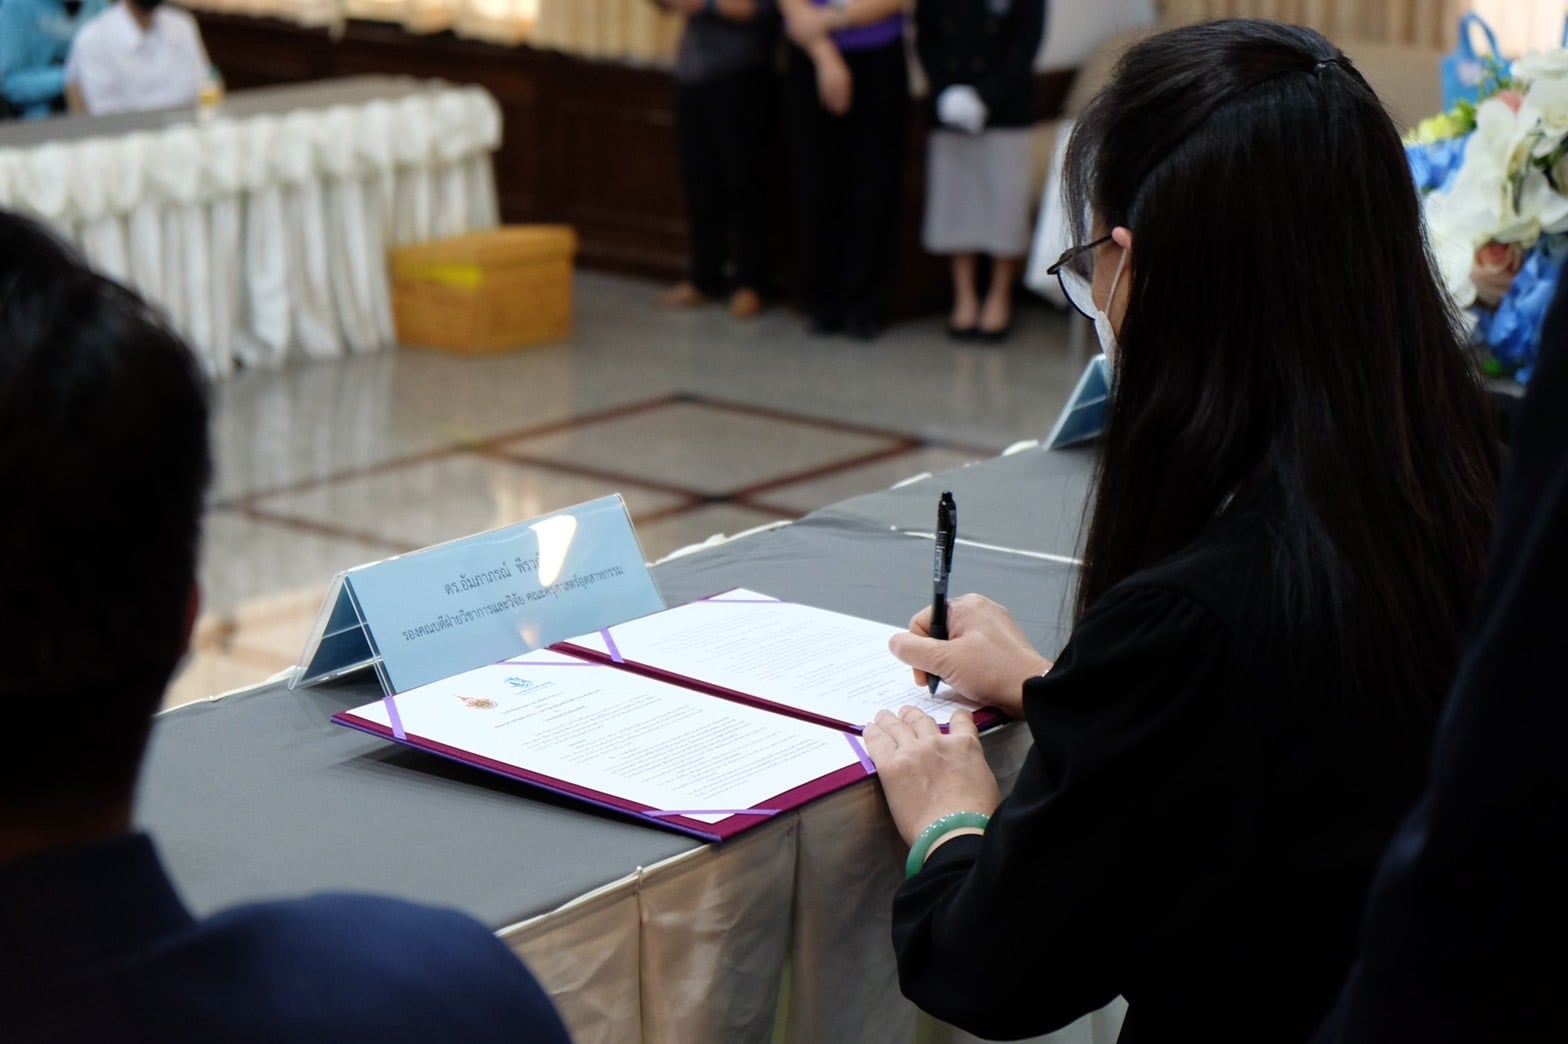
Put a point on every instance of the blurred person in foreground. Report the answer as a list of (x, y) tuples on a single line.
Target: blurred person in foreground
[(1462, 937), (104, 460), (1295, 488)]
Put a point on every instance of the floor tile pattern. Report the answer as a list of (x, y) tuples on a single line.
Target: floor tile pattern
[(705, 424)]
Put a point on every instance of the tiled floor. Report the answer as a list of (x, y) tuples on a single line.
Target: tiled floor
[(704, 424)]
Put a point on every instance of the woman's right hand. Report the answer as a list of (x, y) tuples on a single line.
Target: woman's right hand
[(985, 657)]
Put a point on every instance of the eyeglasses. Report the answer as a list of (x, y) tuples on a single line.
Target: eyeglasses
[(1075, 271)]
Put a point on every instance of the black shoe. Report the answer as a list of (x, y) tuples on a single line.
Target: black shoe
[(993, 337), (823, 325), (961, 333), (864, 328)]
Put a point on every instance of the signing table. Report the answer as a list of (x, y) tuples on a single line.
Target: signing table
[(638, 934), (261, 225)]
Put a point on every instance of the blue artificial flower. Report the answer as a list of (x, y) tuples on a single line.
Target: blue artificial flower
[(1435, 165), (1514, 331)]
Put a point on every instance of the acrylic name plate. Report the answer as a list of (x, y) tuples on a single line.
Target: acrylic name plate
[(1083, 418), (430, 614)]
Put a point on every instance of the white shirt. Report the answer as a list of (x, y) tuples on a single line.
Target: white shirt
[(118, 67)]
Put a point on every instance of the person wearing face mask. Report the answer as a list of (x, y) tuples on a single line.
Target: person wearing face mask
[(137, 55), (1294, 492), (35, 37)]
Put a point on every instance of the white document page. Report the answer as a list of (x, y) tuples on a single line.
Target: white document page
[(814, 660), (639, 739)]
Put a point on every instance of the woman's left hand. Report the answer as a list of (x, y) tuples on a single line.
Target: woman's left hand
[(926, 773)]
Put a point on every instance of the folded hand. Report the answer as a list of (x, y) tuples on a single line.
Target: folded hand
[(960, 107)]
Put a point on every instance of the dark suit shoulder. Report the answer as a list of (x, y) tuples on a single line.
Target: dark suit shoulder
[(330, 962), (326, 968)]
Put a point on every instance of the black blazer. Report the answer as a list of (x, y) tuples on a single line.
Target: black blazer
[(990, 45), (1194, 828), (97, 946)]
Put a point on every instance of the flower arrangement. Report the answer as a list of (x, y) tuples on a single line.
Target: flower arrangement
[(1494, 177)]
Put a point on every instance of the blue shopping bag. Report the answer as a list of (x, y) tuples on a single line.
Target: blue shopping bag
[(1464, 68)]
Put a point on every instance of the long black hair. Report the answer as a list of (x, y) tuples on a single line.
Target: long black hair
[(1286, 343)]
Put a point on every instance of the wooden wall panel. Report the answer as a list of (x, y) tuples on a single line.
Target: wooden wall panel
[(616, 184), (261, 52)]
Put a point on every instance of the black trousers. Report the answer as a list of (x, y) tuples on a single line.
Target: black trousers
[(723, 130), (848, 173)]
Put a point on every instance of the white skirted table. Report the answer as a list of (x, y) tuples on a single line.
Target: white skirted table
[(261, 227)]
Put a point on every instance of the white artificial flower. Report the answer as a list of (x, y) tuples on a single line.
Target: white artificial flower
[(1546, 104), (1476, 205), (1500, 194), (1541, 205), (1498, 134), (1455, 226), (1538, 66)]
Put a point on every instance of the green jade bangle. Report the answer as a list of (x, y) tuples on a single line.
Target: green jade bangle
[(921, 849)]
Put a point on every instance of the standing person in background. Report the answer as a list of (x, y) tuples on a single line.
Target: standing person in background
[(35, 38), (979, 57), (724, 115), (135, 56), (846, 94)]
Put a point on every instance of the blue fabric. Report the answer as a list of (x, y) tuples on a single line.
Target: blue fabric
[(35, 40), (97, 946), (1434, 166), (1514, 330), (1462, 68)]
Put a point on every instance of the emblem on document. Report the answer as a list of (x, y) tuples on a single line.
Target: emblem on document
[(478, 702)]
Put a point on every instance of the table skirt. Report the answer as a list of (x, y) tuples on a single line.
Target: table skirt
[(265, 237)]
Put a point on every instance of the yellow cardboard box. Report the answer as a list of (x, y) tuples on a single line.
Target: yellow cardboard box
[(508, 287)]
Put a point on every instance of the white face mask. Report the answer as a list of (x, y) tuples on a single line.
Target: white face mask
[(1102, 322)]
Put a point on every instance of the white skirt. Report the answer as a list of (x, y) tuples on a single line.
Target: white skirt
[(977, 192)]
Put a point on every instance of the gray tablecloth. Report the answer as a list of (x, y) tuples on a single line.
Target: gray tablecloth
[(1032, 501), (638, 934), (259, 794)]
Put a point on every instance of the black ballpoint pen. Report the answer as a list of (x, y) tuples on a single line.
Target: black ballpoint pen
[(942, 565)]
